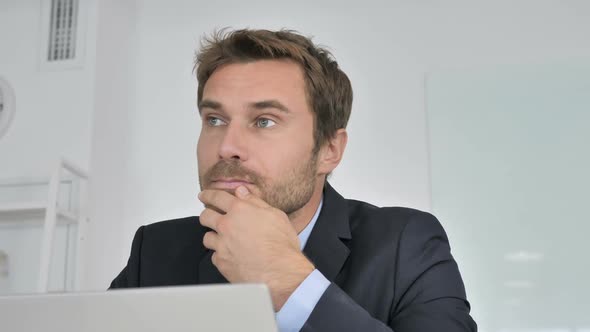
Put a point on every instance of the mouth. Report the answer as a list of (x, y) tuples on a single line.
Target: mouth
[(229, 183)]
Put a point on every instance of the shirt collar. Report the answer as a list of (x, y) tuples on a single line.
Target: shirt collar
[(304, 234)]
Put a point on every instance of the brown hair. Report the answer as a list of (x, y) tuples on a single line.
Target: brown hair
[(328, 89)]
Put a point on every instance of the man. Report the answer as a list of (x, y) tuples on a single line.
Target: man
[(274, 109)]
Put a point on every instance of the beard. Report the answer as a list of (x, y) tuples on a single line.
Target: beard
[(288, 193)]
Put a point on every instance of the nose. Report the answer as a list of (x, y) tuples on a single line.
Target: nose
[(234, 145)]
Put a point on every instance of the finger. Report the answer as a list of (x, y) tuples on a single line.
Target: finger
[(210, 218), (219, 199), (208, 206), (211, 240), (243, 193)]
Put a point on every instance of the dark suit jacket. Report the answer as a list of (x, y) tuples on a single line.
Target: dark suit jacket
[(390, 268)]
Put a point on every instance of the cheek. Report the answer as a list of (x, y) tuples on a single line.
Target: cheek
[(199, 148), (204, 149), (283, 160)]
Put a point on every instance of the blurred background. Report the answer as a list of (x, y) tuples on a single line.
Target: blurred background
[(478, 111)]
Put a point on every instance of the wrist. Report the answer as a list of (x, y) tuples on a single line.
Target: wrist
[(296, 271)]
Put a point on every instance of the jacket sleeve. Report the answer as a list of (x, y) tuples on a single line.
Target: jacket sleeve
[(129, 276), (429, 292)]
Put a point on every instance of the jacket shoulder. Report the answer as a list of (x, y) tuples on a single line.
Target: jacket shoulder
[(174, 225), (161, 254), (174, 234), (388, 219)]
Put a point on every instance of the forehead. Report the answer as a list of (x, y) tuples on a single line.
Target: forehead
[(282, 80)]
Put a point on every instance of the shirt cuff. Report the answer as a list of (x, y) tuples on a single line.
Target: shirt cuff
[(301, 303)]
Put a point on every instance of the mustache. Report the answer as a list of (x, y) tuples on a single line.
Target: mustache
[(231, 169)]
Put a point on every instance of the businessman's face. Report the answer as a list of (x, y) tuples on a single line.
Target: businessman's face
[(257, 131)]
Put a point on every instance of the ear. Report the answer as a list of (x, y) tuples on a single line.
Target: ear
[(331, 152)]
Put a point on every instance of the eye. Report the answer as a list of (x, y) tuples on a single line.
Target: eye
[(264, 123), (214, 122)]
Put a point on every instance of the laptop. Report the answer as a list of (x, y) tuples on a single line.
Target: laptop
[(243, 307)]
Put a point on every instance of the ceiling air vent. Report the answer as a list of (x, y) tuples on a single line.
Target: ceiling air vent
[(62, 33)]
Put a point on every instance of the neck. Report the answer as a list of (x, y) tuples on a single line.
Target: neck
[(302, 217)]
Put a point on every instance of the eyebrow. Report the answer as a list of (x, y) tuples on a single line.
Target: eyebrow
[(269, 104), (206, 103), (259, 105)]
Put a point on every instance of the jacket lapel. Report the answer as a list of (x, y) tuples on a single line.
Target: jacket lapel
[(325, 247)]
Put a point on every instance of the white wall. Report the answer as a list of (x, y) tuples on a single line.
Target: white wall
[(115, 107), (53, 108), (53, 119)]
